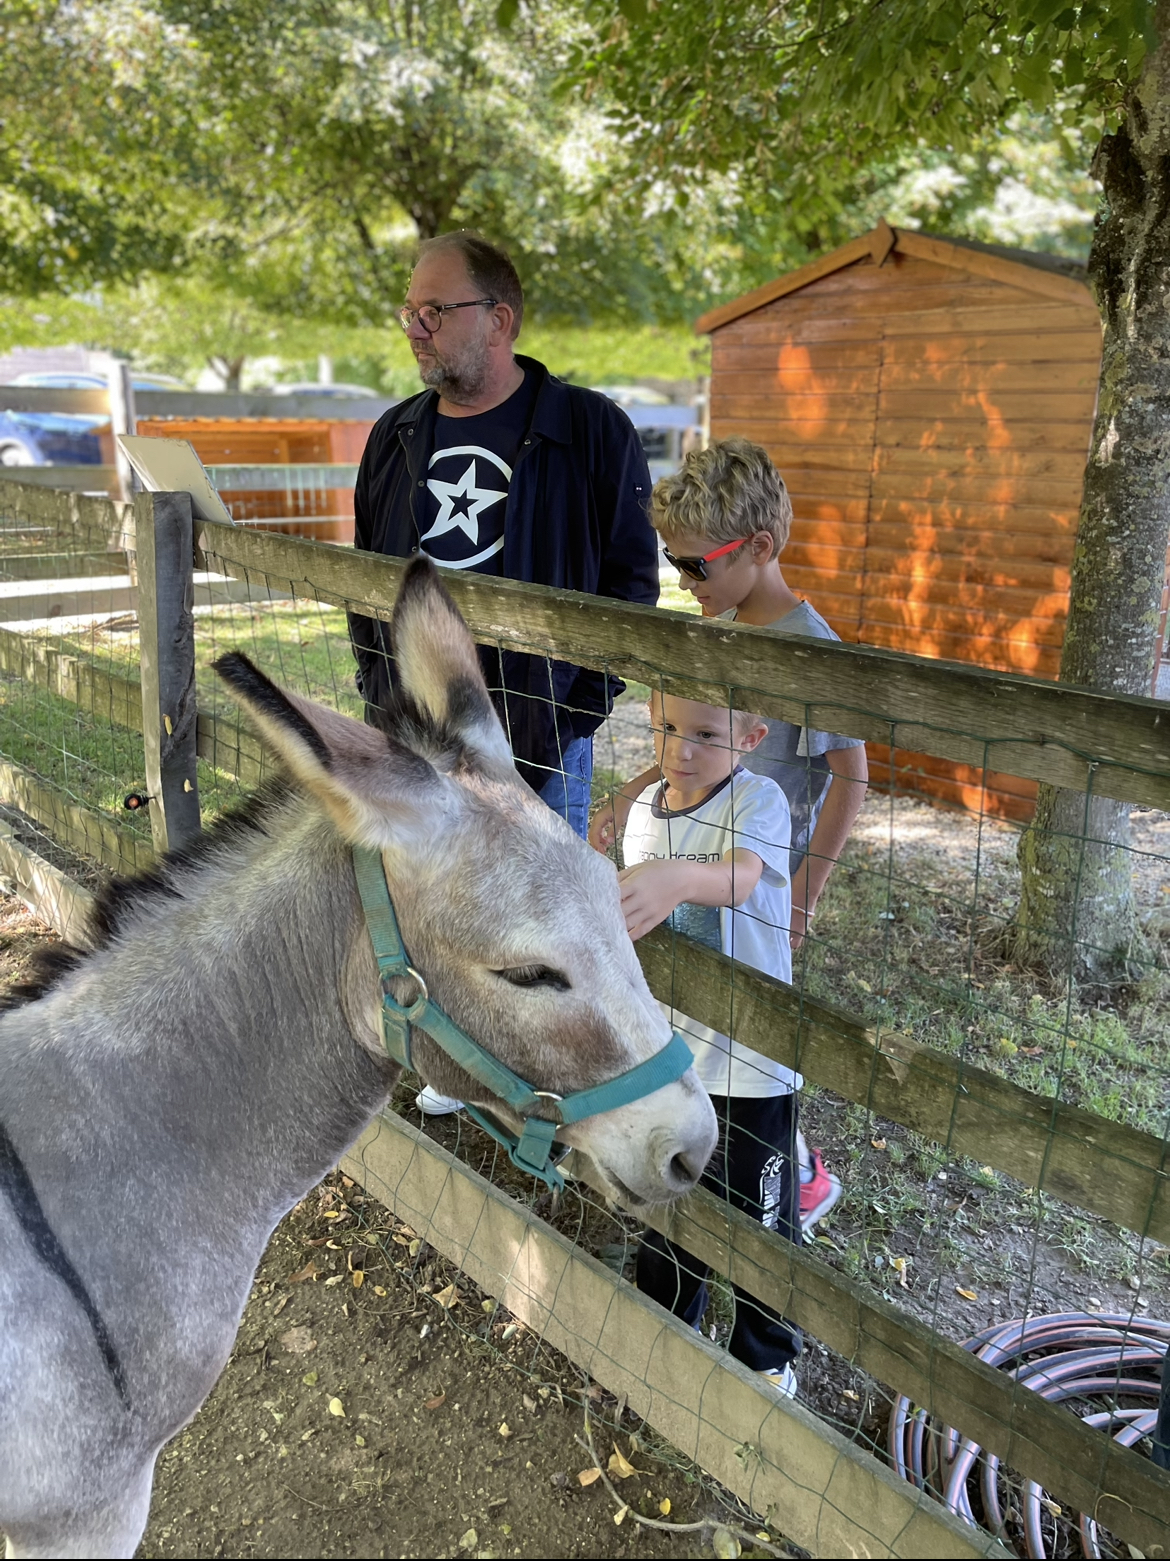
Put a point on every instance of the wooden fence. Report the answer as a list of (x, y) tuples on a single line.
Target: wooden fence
[(843, 1502)]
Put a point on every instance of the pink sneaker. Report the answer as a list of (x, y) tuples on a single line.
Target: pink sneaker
[(819, 1194)]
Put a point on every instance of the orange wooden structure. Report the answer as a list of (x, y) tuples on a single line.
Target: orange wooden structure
[(277, 442), (929, 403)]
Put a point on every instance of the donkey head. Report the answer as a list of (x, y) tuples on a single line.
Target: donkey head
[(513, 921)]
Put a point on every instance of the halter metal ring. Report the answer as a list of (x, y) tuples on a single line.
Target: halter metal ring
[(548, 1094), (413, 1013)]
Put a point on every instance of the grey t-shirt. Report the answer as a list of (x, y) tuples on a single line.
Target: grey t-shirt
[(794, 756)]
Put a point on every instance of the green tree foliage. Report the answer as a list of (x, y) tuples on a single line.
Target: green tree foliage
[(294, 154)]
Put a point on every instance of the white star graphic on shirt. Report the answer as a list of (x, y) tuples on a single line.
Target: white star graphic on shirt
[(466, 518)]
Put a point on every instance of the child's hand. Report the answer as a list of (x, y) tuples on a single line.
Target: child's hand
[(603, 829), (650, 891)]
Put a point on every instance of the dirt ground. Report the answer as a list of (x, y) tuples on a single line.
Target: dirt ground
[(359, 1423)]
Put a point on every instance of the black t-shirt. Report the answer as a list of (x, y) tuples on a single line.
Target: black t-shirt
[(467, 483)]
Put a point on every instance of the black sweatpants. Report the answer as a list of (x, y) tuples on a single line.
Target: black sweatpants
[(755, 1168)]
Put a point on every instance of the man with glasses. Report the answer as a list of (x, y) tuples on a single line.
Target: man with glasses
[(500, 468)]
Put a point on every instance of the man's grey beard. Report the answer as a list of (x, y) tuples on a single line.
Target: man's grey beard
[(459, 380)]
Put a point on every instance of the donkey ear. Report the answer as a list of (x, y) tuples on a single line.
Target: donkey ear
[(370, 784), (438, 665)]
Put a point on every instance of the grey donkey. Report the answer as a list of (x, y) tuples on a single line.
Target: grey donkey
[(222, 1041)]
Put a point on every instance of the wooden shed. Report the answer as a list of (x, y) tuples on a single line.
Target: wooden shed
[(289, 487), (929, 402)]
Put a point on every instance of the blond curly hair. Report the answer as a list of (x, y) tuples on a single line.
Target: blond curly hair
[(727, 491)]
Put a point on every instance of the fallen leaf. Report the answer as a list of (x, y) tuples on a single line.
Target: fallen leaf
[(336, 1407), (310, 1271), (619, 1516), (877, 1143), (347, 1181), (1032, 1051), (469, 1540), (447, 1297), (379, 1289), (725, 1545), (968, 1295), (763, 1534), (900, 1265), (529, 1404), (505, 1430), (437, 1402), (664, 1506), (850, 1395), (1050, 1506), (402, 1241), (335, 1279), (588, 1476), (620, 1466), (359, 1441), (310, 1379), (331, 1214), (489, 1305), (358, 1278), (415, 1247), (280, 1305), (298, 1341)]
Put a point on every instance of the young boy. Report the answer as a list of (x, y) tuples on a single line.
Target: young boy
[(724, 519), (706, 850)]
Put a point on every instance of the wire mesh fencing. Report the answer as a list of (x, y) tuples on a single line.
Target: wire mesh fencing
[(984, 1307), (70, 709)]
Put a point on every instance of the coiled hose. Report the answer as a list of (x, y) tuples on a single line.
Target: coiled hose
[(1064, 1356)]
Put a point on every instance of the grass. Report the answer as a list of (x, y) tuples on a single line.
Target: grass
[(910, 945)]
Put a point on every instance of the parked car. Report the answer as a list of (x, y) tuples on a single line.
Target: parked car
[(49, 439), (83, 381), (62, 438)]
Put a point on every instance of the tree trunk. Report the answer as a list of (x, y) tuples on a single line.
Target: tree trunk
[(229, 369), (1077, 914)]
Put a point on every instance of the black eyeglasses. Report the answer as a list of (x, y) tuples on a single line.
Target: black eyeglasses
[(696, 568), (430, 316)]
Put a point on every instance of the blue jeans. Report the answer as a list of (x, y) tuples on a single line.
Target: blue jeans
[(566, 791)]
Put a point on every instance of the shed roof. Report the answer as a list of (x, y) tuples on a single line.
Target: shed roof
[(1050, 275)]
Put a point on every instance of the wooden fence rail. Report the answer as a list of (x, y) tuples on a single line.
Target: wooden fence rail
[(1113, 745)]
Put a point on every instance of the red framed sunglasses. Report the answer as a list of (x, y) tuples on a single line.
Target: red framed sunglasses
[(696, 568)]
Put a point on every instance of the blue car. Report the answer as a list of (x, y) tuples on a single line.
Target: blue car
[(62, 438), (49, 439)]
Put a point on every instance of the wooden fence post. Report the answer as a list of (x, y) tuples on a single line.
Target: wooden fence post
[(166, 596)]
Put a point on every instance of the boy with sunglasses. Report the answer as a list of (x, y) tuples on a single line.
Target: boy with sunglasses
[(724, 519)]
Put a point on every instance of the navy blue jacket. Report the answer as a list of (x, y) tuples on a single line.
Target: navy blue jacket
[(576, 518)]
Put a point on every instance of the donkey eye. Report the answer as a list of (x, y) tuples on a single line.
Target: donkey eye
[(535, 975)]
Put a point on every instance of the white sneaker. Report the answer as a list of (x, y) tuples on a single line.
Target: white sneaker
[(784, 1381), (432, 1104)]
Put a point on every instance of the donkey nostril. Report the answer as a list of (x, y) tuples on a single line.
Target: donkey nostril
[(682, 1172)]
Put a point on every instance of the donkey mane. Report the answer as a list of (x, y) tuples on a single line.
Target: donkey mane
[(120, 898)]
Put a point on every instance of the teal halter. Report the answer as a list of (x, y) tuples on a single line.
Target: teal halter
[(532, 1151)]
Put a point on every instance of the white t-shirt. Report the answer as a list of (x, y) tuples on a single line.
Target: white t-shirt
[(747, 812)]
